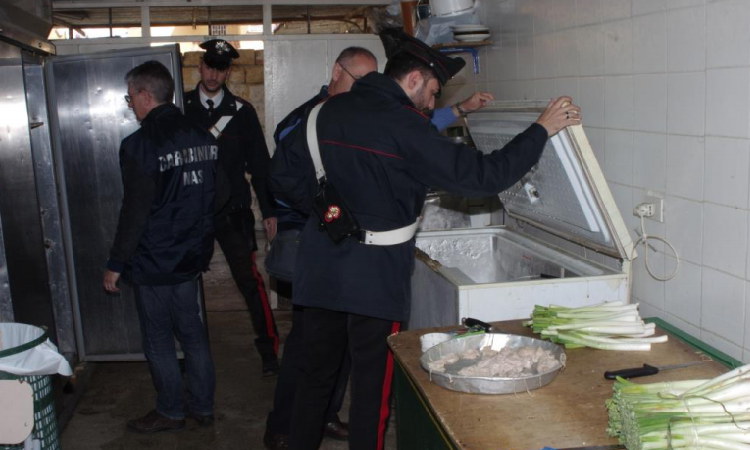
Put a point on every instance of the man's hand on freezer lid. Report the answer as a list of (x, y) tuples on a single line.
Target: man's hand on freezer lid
[(560, 113)]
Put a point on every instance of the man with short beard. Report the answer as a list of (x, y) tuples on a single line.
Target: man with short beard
[(242, 150)]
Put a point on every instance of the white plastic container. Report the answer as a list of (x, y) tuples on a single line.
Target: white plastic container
[(450, 7)]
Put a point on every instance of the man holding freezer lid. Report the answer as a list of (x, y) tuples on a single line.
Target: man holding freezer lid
[(381, 153)]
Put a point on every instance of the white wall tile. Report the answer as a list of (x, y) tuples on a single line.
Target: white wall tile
[(512, 90), (646, 288), (618, 165), (728, 102), (727, 39), (647, 309), (544, 89), (618, 47), (723, 305), (596, 140), (650, 43), (727, 164), (591, 50), (683, 220), (566, 55), (650, 157), (544, 55), (683, 326), (725, 238), (686, 100), (685, 161), (587, 12), (686, 39), (683, 294), (614, 9), (567, 86), (618, 102), (623, 196), (591, 101), (650, 102), (525, 57), (648, 6), (675, 4), (501, 62), (731, 349)]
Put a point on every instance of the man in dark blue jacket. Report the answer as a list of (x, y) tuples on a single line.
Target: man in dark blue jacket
[(164, 240), (381, 153)]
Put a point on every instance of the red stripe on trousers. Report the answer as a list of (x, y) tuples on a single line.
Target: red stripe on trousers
[(266, 306), (385, 406)]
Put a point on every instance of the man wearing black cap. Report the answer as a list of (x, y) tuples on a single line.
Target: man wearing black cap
[(381, 153), (242, 149)]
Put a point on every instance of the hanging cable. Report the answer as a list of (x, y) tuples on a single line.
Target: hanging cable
[(643, 238)]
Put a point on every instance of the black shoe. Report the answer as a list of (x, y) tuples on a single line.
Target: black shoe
[(275, 441), (154, 422), (270, 367), (337, 429), (204, 420)]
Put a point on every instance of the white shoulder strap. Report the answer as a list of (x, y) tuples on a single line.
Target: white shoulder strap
[(312, 142), (218, 127)]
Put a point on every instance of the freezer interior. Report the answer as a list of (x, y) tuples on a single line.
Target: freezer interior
[(497, 255)]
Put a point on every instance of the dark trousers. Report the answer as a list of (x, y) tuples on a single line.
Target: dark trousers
[(280, 418), (328, 336), (235, 232), (166, 312)]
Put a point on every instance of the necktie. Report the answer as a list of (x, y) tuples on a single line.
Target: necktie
[(210, 106)]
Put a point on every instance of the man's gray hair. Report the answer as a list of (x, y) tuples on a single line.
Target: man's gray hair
[(153, 77)]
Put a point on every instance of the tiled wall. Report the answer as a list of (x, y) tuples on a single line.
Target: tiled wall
[(665, 91)]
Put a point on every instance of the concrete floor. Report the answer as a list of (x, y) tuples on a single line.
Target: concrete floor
[(116, 392)]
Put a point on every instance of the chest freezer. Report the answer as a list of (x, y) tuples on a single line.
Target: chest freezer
[(558, 239)]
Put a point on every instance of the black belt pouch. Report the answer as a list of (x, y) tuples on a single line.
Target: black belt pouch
[(335, 217)]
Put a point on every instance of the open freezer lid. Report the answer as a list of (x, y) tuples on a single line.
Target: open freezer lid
[(565, 193)]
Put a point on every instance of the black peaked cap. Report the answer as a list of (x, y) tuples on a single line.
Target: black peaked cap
[(219, 53), (396, 41)]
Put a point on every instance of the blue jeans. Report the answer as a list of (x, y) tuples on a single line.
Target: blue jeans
[(166, 312)]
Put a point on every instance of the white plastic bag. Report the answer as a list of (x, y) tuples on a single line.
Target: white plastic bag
[(41, 359)]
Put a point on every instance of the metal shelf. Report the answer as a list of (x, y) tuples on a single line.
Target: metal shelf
[(464, 47)]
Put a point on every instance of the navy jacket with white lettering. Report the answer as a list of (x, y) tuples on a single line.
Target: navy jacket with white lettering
[(165, 230), (381, 154)]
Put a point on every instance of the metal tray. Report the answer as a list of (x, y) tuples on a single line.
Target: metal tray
[(490, 385)]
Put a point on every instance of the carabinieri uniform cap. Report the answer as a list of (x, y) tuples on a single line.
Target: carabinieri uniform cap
[(396, 42), (219, 54)]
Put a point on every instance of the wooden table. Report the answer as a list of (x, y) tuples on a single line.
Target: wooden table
[(568, 412)]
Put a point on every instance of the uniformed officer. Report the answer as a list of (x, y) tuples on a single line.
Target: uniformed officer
[(381, 153), (242, 150)]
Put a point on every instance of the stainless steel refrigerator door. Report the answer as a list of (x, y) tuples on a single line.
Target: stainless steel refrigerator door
[(90, 118), (24, 290)]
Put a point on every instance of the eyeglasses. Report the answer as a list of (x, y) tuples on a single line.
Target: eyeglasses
[(357, 77)]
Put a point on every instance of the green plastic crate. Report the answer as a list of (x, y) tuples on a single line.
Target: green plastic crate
[(45, 417)]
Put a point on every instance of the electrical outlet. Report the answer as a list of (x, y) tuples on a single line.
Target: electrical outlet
[(651, 208)]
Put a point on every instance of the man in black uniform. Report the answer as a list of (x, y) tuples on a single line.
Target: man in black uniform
[(242, 149), (351, 64), (381, 153), (164, 241)]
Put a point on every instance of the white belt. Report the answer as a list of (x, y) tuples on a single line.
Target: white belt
[(390, 237)]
